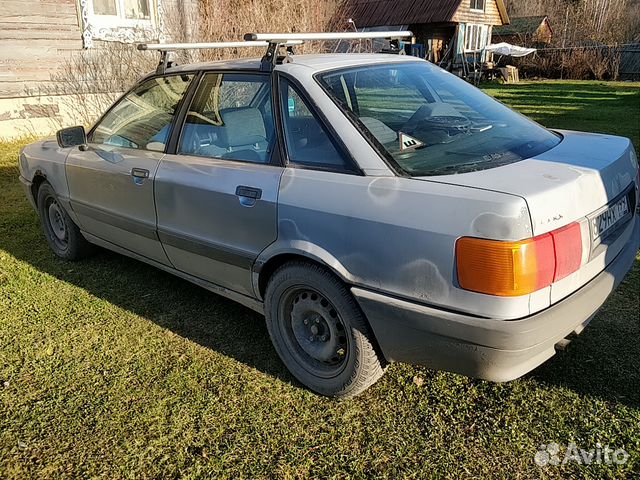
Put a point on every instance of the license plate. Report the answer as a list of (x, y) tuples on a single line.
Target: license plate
[(608, 219)]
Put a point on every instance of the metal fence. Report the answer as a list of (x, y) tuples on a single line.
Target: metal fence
[(604, 62), (630, 62)]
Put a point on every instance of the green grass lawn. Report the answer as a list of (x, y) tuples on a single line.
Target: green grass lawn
[(602, 107), (111, 368)]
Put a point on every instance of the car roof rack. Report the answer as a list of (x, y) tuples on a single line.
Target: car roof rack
[(273, 41), (307, 37), (166, 48)]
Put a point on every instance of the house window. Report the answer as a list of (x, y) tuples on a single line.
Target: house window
[(126, 21), (477, 5), (476, 37), (126, 10)]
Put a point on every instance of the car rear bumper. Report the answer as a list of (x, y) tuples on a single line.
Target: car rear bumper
[(496, 350)]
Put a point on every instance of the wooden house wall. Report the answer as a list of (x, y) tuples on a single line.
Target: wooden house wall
[(34, 36), (544, 34), (435, 37), (490, 16)]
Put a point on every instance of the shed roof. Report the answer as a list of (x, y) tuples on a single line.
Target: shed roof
[(373, 13), (521, 26)]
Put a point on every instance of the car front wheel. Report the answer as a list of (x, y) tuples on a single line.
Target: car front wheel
[(63, 236), (319, 331)]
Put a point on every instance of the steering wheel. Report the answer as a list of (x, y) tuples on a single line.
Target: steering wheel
[(449, 120)]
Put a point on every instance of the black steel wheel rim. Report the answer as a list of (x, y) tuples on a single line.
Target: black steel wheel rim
[(56, 224), (314, 332)]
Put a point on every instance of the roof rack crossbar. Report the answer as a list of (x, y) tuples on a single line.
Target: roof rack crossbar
[(166, 48), (171, 47), (288, 37), (273, 42)]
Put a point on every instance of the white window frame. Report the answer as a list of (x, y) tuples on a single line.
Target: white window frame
[(119, 20), (475, 2), (475, 37), (117, 28)]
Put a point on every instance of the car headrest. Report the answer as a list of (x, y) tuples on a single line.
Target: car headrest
[(241, 126)]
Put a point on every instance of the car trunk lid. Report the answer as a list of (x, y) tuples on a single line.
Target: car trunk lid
[(576, 181), (581, 174)]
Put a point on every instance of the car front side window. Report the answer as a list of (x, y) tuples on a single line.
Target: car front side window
[(142, 119)]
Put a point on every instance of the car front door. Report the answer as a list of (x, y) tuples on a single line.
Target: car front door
[(216, 197), (111, 181)]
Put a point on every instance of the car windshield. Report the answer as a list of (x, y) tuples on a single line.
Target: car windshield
[(429, 122)]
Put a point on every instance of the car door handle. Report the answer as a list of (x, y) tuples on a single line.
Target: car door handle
[(139, 175), (248, 195), (140, 172), (249, 192)]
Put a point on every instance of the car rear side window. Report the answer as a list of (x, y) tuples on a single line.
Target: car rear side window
[(143, 118), (308, 141), (230, 118)]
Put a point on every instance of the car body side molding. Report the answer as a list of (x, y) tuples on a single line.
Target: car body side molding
[(214, 251)]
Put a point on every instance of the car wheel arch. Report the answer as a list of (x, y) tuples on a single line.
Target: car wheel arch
[(36, 182), (266, 265)]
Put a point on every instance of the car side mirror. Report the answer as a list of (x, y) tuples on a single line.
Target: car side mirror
[(71, 137)]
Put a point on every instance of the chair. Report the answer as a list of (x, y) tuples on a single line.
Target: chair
[(510, 74)]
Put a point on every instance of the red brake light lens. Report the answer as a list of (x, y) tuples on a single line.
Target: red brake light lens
[(567, 243)]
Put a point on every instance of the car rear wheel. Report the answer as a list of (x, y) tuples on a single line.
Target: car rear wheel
[(320, 332), (64, 236)]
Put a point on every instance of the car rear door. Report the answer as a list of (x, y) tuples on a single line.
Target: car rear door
[(216, 197), (111, 181)]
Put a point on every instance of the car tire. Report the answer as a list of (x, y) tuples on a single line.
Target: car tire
[(62, 234), (319, 331)]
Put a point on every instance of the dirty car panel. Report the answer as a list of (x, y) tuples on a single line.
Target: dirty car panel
[(470, 238)]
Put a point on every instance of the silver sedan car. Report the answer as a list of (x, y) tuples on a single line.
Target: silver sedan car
[(373, 207)]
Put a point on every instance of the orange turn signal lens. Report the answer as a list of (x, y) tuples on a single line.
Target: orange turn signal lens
[(510, 269), (505, 268)]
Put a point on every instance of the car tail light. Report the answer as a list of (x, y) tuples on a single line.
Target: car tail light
[(567, 244), (518, 268)]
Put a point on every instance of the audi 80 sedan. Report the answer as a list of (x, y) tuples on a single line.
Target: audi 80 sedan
[(373, 207)]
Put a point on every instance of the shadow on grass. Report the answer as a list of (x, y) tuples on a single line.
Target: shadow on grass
[(192, 312), (602, 362)]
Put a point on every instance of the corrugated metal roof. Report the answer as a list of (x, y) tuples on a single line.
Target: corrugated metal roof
[(371, 13), (374, 13)]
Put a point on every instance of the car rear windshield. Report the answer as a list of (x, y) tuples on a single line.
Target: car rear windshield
[(429, 122)]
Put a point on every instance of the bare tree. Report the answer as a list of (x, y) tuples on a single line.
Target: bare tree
[(580, 21), (90, 80), (586, 35)]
